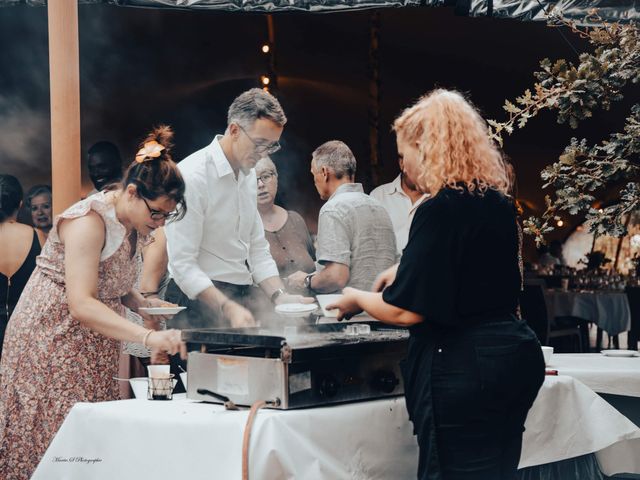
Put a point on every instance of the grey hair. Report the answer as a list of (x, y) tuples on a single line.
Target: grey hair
[(267, 164), (253, 105), (337, 156), (37, 190)]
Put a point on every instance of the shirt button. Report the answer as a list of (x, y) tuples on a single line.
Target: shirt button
[(284, 248)]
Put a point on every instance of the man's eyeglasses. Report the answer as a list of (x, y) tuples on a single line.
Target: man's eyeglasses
[(261, 147), (266, 178), (157, 214)]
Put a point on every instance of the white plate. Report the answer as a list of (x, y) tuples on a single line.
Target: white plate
[(161, 310), (325, 300), (295, 309), (619, 353)]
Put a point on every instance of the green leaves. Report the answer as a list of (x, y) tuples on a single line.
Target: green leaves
[(583, 173)]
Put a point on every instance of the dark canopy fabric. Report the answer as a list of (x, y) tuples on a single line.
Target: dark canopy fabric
[(607, 10)]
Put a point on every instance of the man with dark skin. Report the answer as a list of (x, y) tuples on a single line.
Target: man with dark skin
[(104, 164)]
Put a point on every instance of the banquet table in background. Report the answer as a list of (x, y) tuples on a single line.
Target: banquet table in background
[(602, 374), (609, 310), (133, 439)]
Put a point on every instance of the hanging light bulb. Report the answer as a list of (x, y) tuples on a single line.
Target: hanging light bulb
[(265, 80), (265, 48)]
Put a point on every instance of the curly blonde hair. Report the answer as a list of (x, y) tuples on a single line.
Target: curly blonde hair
[(454, 145)]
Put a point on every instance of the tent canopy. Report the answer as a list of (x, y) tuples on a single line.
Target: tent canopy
[(529, 10)]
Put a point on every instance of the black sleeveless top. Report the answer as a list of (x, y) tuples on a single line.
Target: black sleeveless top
[(11, 287)]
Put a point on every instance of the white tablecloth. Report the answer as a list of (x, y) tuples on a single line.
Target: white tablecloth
[(617, 376), (136, 439), (609, 310)]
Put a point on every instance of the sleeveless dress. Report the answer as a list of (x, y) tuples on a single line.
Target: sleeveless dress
[(50, 361), (11, 287)]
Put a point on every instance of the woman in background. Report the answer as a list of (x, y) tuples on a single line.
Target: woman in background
[(39, 204), (19, 247), (472, 369), (285, 230)]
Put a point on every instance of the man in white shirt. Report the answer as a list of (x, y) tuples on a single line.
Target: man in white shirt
[(218, 250), (401, 199)]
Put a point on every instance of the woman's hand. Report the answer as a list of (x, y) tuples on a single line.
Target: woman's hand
[(169, 341), (159, 358), (385, 279), (348, 305)]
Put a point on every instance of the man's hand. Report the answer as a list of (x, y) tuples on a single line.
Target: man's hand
[(296, 280), (238, 316)]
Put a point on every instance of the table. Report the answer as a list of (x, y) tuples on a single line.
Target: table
[(132, 439), (609, 310), (611, 375)]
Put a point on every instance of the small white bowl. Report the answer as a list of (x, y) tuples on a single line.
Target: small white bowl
[(139, 385), (547, 352)]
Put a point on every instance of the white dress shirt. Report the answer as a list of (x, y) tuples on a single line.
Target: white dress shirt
[(400, 209), (221, 237)]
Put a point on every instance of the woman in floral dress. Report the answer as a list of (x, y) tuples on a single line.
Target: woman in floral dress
[(62, 341)]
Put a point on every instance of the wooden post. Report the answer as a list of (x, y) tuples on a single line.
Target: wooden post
[(64, 78)]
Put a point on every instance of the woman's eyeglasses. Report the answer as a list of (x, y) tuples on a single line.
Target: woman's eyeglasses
[(157, 214), (261, 147)]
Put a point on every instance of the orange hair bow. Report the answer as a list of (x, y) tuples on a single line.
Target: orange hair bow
[(151, 150)]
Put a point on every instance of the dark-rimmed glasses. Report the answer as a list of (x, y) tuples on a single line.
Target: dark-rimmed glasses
[(260, 147), (266, 178), (157, 214)]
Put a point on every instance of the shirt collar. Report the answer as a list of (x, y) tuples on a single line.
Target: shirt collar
[(346, 188), (219, 158), (396, 186)]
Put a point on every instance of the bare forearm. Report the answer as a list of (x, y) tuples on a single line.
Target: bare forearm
[(99, 318), (374, 305), (270, 285), (133, 300), (334, 277), (212, 298)]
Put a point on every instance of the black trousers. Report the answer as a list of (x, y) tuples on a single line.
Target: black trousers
[(470, 405)]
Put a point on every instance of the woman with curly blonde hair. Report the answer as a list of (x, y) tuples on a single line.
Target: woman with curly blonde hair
[(473, 369)]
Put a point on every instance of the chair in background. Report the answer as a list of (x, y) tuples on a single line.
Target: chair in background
[(534, 310), (633, 295)]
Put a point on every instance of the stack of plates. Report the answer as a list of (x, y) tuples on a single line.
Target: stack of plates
[(619, 353), (296, 309)]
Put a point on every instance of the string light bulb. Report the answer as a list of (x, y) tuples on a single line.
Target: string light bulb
[(560, 223), (265, 48), (265, 80)]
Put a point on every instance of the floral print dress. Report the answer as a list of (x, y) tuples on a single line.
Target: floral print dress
[(50, 361)]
